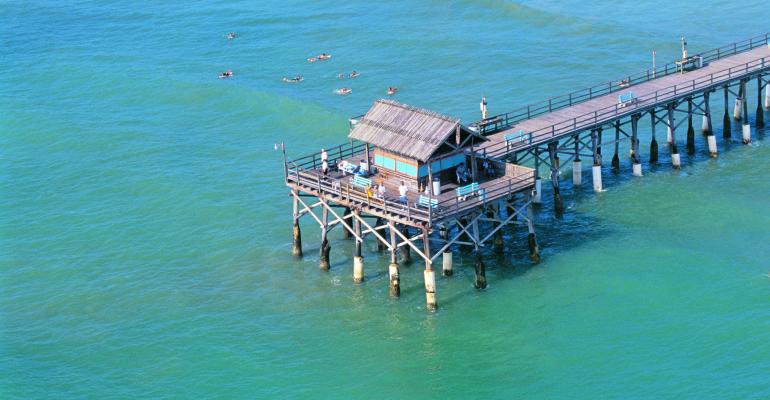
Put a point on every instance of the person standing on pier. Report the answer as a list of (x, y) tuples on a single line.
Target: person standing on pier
[(324, 155), (402, 189), (483, 107)]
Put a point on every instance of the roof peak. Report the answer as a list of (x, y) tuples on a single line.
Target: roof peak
[(418, 110)]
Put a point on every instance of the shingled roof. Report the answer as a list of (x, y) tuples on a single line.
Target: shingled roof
[(409, 131)]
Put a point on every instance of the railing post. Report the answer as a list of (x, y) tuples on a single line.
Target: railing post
[(528, 113), (549, 105)]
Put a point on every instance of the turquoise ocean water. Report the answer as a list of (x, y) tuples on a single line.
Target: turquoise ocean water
[(145, 234)]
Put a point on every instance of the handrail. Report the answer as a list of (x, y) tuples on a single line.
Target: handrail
[(511, 118), (608, 113), (337, 153)]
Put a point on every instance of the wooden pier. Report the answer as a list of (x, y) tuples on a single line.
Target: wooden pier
[(421, 182)]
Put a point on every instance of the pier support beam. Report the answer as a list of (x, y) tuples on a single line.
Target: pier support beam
[(636, 162), (739, 102), (596, 169), (746, 126), (358, 260), (615, 165), (706, 125), (296, 243), (393, 273), (577, 165), (325, 249), (675, 160), (653, 142), (557, 201), (690, 130), (429, 275), (726, 120), (760, 118), (534, 251), (446, 263)]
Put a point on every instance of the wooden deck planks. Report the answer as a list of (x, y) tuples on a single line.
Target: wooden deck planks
[(566, 114)]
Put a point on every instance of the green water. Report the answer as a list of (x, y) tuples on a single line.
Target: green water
[(145, 235)]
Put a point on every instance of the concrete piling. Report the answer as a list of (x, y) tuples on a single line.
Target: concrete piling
[(430, 290), (446, 263), (577, 171), (675, 159), (760, 115), (429, 275), (706, 124), (596, 169), (394, 277), (636, 162), (712, 144), (537, 198), (358, 259), (746, 126)]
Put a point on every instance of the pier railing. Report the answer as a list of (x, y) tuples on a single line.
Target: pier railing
[(340, 189), (615, 111), (502, 121), (336, 154)]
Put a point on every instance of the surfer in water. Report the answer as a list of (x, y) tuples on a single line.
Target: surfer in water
[(231, 35), (392, 90), (226, 74), (324, 56), (354, 74)]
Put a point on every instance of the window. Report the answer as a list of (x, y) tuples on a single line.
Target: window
[(384, 162), (407, 169)]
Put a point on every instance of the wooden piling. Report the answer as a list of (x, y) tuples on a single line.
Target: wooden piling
[(635, 159), (446, 263), (706, 125), (745, 119), (405, 250), (653, 142), (534, 251), (760, 117), (325, 247), (481, 275), (296, 243), (615, 165), (345, 218), (557, 201), (690, 130), (726, 125)]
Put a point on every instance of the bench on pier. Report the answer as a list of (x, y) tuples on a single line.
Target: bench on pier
[(467, 190), (689, 63), (361, 182), (627, 98), (518, 136), (427, 202)]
